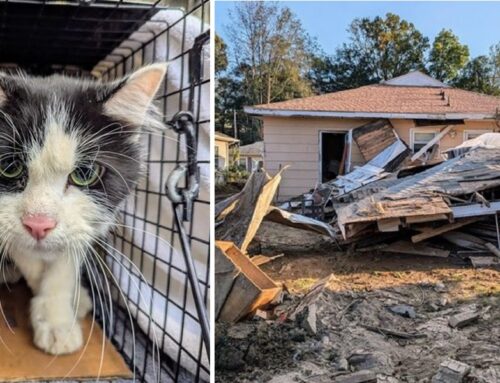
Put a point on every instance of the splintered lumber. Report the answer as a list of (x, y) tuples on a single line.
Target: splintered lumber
[(422, 207), (406, 247), (424, 193), (432, 232), (251, 287)]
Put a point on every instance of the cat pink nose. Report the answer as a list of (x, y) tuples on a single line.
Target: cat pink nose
[(38, 225)]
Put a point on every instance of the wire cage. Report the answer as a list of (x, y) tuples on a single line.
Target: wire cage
[(107, 39)]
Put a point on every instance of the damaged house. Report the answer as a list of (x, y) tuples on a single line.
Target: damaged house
[(324, 136)]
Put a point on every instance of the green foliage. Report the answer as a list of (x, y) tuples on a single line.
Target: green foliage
[(379, 49), (271, 50), (271, 53), (235, 173), (383, 48), (220, 54), (478, 76), (447, 57)]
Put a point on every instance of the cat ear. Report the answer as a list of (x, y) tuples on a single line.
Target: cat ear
[(133, 98)]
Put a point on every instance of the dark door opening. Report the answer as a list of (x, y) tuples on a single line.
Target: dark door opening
[(332, 155)]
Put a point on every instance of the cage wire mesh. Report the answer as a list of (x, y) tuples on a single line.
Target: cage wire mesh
[(108, 39)]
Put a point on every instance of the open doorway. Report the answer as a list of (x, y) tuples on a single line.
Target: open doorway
[(332, 154)]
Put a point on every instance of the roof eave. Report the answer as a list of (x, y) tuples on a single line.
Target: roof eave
[(311, 113)]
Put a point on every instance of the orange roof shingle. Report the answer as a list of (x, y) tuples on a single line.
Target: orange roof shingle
[(392, 99)]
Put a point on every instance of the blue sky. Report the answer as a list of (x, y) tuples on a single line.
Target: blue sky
[(477, 24)]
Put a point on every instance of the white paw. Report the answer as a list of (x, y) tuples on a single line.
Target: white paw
[(58, 339), (84, 304), (56, 330)]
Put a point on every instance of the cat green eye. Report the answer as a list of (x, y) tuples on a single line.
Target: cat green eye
[(11, 167), (86, 175)]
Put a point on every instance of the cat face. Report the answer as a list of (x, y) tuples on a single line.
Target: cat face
[(69, 155)]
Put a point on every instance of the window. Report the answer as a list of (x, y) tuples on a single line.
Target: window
[(470, 134), (421, 138), (217, 158)]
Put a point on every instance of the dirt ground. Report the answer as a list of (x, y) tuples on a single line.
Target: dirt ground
[(352, 314)]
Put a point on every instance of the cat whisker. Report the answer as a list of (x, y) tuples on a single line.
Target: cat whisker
[(141, 276)]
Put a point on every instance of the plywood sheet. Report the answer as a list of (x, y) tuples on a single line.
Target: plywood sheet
[(26, 362), (374, 137)]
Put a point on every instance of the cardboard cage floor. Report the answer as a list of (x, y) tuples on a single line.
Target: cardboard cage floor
[(25, 362)]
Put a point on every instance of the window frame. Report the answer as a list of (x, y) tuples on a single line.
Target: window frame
[(475, 131), (433, 130)]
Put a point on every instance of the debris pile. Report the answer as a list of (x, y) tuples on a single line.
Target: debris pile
[(453, 201), (433, 210), (411, 332), (406, 333)]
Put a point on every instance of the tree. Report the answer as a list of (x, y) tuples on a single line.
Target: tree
[(220, 55), (447, 56), (495, 63), (478, 76), (271, 50), (380, 49)]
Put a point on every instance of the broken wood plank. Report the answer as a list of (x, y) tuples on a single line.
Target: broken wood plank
[(470, 241), (252, 288), (427, 218), (389, 224), (397, 334), (406, 247), (442, 229), (492, 248), (259, 260), (436, 139), (377, 210), (463, 319), (464, 240), (478, 261), (480, 198), (225, 274)]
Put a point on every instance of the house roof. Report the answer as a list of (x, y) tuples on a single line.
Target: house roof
[(413, 95), (255, 149), (415, 78), (224, 137)]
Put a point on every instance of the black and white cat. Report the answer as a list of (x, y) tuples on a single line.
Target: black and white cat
[(70, 153)]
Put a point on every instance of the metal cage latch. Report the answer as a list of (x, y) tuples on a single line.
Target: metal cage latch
[(184, 196), (182, 123)]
